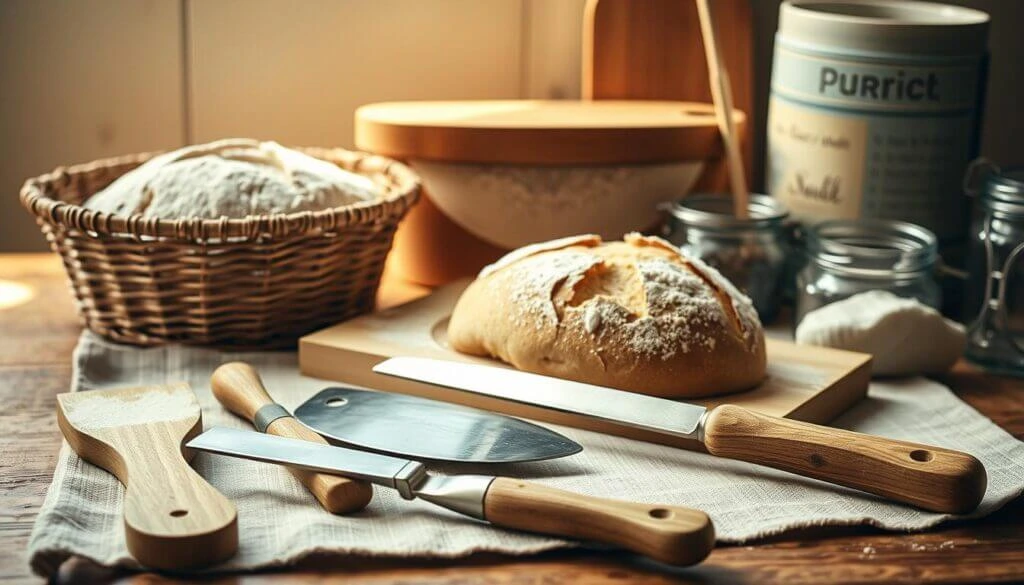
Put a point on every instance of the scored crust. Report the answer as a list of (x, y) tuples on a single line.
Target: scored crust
[(636, 315)]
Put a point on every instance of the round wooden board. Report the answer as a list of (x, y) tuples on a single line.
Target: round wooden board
[(537, 132)]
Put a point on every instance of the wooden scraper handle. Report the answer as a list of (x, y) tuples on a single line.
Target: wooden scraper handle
[(239, 388)]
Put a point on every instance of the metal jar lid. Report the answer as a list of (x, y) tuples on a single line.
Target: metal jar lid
[(1004, 192), (715, 212), (873, 248), (999, 190)]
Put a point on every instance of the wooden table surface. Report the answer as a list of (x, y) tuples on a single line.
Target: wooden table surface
[(38, 330)]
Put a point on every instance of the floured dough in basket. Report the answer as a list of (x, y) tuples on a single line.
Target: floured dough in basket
[(231, 178), (636, 315)]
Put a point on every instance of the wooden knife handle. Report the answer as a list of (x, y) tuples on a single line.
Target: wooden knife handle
[(239, 388), (933, 478), (670, 534)]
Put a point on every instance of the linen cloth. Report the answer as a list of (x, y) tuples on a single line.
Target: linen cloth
[(280, 522)]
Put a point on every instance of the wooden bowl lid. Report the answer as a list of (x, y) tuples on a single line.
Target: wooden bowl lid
[(541, 132)]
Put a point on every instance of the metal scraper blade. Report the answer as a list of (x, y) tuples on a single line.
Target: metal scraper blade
[(419, 428)]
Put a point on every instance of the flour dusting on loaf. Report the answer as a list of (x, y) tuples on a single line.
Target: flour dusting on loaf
[(547, 273), (636, 315)]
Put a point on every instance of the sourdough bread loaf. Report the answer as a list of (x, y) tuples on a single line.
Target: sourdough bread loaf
[(636, 315), (231, 178)]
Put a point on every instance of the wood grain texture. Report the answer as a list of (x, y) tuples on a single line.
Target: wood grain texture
[(652, 50), (541, 132), (240, 389), (37, 316), (933, 478), (173, 518), (36, 368), (671, 534)]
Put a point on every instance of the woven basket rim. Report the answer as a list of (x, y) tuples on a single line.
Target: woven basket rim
[(397, 198)]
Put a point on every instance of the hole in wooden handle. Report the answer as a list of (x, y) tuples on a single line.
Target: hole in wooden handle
[(179, 513), (659, 513), (922, 455)]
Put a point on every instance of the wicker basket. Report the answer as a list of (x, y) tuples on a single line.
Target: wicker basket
[(256, 282)]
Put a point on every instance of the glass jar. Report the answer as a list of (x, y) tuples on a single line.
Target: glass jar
[(752, 253), (995, 287), (847, 257)]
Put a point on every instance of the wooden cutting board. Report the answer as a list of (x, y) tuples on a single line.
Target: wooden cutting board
[(805, 383)]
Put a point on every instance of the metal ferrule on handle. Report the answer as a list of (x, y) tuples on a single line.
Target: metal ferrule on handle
[(463, 494), (268, 414), (412, 474), (701, 423)]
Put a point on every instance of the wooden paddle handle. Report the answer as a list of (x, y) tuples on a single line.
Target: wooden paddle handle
[(670, 534), (239, 388), (173, 519), (933, 478)]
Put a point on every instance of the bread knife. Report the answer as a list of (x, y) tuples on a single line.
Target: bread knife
[(932, 478), (670, 534)]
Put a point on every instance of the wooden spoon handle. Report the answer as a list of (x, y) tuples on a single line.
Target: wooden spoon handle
[(239, 388), (670, 534), (933, 478), (721, 96)]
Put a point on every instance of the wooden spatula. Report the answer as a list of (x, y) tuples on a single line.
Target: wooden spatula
[(173, 519)]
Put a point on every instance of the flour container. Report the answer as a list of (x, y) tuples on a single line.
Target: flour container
[(874, 112)]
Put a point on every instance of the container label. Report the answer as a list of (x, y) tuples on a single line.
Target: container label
[(816, 161), (822, 80), (850, 139)]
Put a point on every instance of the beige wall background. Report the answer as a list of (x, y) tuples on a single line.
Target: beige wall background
[(84, 79)]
